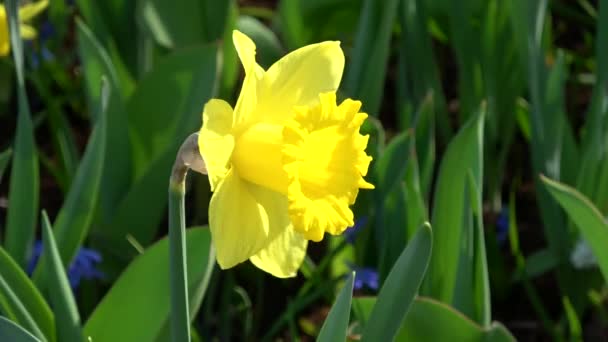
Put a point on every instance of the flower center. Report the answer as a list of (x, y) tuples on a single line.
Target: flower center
[(258, 156), (317, 159)]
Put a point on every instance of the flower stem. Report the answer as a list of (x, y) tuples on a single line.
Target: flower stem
[(187, 157)]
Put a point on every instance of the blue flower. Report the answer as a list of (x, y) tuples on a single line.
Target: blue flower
[(351, 232), (365, 277), (502, 225), (84, 265)]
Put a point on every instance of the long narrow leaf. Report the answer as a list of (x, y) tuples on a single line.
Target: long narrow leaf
[(371, 48), (592, 225), (76, 214), (25, 178), (61, 296), (146, 317), (9, 331), (335, 325), (401, 287), (430, 320), (463, 155), (29, 296), (96, 63)]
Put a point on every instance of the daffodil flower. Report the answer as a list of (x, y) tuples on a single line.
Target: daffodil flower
[(26, 13), (286, 162)]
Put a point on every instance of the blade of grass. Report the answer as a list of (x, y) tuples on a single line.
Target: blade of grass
[(9, 331), (74, 219), (371, 47), (25, 178), (401, 287), (61, 296), (463, 155), (589, 220), (18, 309), (31, 299), (96, 63), (336, 324)]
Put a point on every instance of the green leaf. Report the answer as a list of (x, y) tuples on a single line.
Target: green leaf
[(75, 217), (24, 300), (472, 288), (401, 286), (418, 71), (146, 317), (96, 63), (173, 93), (20, 314), (24, 183), (185, 23), (61, 296), (429, 320), (371, 48), (592, 225), (389, 168), (452, 208), (102, 19), (5, 158), (335, 325), (9, 331)]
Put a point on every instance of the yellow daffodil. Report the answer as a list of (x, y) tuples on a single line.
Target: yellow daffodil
[(286, 163), (26, 13)]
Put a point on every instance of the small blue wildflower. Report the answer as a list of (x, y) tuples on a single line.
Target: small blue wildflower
[(365, 277), (46, 31), (351, 232), (502, 225), (84, 265)]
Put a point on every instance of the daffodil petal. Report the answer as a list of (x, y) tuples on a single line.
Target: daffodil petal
[(247, 100), (27, 32), (215, 141), (5, 41), (244, 218), (245, 48), (29, 11), (298, 78), (283, 255)]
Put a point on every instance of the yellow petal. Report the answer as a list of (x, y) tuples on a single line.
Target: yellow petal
[(283, 256), (29, 11), (215, 141), (298, 78), (325, 161), (247, 100), (244, 218), (245, 48), (27, 32), (5, 41)]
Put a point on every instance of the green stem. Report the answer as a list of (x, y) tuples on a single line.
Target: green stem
[(188, 157)]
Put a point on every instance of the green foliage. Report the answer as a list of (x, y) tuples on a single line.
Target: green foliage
[(401, 286), (10, 331), (123, 316), (430, 320), (336, 324), (24, 181), (61, 297)]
